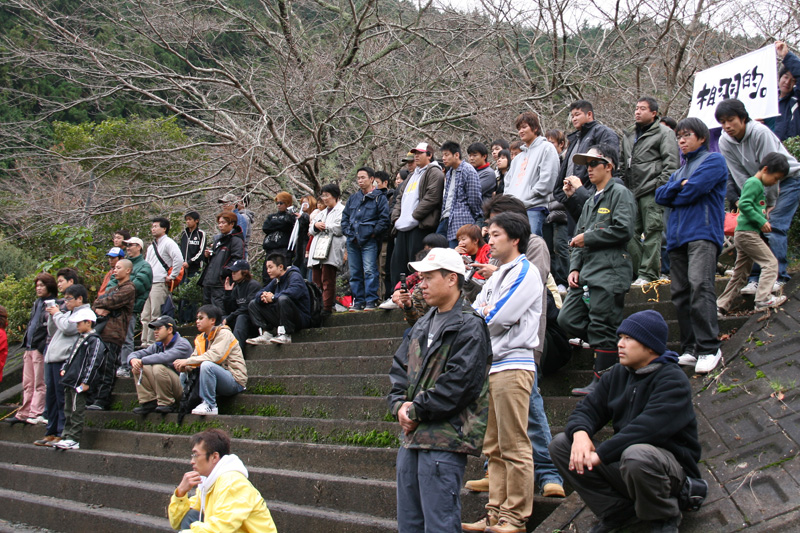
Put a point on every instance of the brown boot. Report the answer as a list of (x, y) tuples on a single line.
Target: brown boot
[(480, 526), (504, 526), (478, 485)]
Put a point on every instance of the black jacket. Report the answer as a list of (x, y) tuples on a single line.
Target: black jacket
[(36, 334), (277, 230), (652, 405), (193, 244), (227, 249), (236, 300), (84, 363)]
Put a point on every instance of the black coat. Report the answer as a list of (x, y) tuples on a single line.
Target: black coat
[(227, 249), (277, 230), (237, 299), (84, 363), (650, 406)]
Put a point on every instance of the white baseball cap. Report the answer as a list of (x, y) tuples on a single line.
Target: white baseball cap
[(421, 147), (440, 258), (134, 240), (82, 314)]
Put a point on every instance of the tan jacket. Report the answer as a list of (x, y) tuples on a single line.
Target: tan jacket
[(222, 348)]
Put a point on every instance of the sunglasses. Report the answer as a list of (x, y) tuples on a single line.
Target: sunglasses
[(280, 203), (595, 163)]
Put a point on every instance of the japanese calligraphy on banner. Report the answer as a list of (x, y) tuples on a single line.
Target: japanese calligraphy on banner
[(752, 78)]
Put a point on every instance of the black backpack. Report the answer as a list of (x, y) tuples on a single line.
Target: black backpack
[(191, 394), (315, 301)]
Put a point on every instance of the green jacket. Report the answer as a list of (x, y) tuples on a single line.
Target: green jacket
[(607, 226), (142, 278), (647, 163), (752, 206), (447, 381)]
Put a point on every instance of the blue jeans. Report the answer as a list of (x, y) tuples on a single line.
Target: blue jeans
[(54, 399), (214, 381), (428, 491), (365, 276), (536, 218), (191, 516), (780, 219), (544, 470), (443, 228)]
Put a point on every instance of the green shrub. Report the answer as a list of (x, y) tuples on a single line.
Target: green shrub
[(17, 296), (15, 261)]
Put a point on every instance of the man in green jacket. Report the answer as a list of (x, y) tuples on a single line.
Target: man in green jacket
[(440, 397), (142, 278), (600, 265), (649, 157)]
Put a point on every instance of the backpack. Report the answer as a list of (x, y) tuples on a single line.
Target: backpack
[(315, 300), (191, 394)]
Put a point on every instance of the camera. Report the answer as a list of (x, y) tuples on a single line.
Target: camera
[(403, 285), (291, 209)]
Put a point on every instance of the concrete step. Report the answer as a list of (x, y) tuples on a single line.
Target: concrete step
[(351, 332), (369, 364), (324, 348)]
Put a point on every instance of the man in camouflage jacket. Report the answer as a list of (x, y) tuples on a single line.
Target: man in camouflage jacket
[(440, 397)]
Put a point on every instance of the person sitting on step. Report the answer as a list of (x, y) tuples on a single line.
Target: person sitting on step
[(158, 384), (219, 357)]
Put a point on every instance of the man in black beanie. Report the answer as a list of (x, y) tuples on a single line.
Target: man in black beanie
[(638, 473)]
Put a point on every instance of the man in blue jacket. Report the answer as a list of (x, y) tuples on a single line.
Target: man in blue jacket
[(283, 305), (364, 220), (158, 384)]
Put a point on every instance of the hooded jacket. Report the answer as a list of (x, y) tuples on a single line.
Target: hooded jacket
[(84, 362), (159, 354), (237, 299), (446, 381), (365, 216), (142, 279), (227, 502), (533, 173), (63, 335), (647, 161), (119, 300), (652, 405), (698, 208), (222, 348), (787, 124)]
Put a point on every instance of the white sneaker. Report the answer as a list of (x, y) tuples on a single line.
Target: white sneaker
[(67, 445), (687, 359), (750, 288), (640, 282), (562, 290), (35, 420), (778, 286), (389, 305), (774, 301), (708, 362), (204, 409), (262, 339), (282, 339), (123, 372)]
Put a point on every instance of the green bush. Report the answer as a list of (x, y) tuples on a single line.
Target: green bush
[(15, 261), (17, 296)]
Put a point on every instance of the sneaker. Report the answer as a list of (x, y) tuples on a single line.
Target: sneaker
[(579, 342), (721, 312), (261, 340), (708, 362), (356, 307), (553, 490), (282, 339), (389, 305), (166, 409), (68, 444), (562, 290), (504, 526), (478, 485), (204, 409), (750, 288), (585, 391), (670, 525), (778, 286), (641, 282), (48, 440), (95, 407), (372, 306), (36, 420), (664, 277), (480, 526), (123, 372), (145, 408), (774, 301), (687, 359)]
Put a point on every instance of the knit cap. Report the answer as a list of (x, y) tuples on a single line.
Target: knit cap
[(647, 327)]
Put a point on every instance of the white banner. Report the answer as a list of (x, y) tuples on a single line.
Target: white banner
[(752, 78)]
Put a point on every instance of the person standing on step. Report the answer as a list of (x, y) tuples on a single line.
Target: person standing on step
[(600, 266), (166, 262), (461, 203), (511, 304), (638, 473), (219, 356), (78, 373), (158, 384), (439, 396), (696, 196), (326, 228), (365, 219), (225, 500), (114, 255), (283, 305), (193, 244), (648, 158), (226, 249)]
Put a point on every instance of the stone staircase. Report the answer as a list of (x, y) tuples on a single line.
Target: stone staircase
[(312, 427)]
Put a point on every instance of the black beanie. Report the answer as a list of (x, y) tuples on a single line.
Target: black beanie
[(647, 327)]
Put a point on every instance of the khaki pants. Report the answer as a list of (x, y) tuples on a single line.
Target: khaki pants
[(152, 310), (159, 382), (750, 247), (508, 447)]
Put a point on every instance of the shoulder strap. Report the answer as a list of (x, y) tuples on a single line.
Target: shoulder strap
[(160, 260)]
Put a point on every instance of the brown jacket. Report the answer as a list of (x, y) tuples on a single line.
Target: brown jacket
[(119, 300), (429, 208)]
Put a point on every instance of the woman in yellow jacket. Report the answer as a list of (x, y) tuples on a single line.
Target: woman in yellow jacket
[(225, 501)]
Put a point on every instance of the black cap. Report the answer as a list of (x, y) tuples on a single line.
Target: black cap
[(239, 264), (162, 321)]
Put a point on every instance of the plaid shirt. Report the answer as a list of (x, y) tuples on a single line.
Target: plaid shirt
[(466, 208)]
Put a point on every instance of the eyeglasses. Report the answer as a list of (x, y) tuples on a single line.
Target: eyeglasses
[(68, 299), (196, 455), (594, 163), (684, 136), (280, 203)]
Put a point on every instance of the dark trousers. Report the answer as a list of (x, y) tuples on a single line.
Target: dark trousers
[(428, 489), (100, 393), (54, 399), (214, 295), (556, 236), (325, 278), (645, 481), (243, 328), (74, 414), (595, 322), (282, 312), (692, 270), (406, 246)]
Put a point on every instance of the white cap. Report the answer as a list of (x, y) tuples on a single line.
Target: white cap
[(421, 147), (82, 314), (441, 258), (134, 240)]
